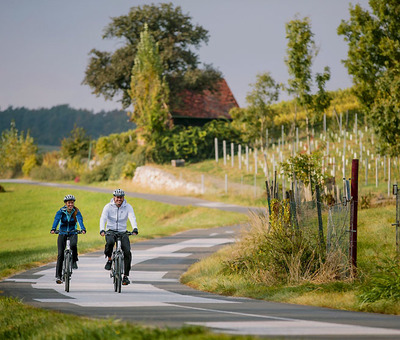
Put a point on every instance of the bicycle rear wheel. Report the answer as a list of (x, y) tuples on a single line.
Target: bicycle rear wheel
[(67, 270)]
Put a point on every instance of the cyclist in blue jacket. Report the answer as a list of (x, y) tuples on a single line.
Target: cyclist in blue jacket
[(67, 217)]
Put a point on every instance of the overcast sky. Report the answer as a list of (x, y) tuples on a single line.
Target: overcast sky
[(45, 44)]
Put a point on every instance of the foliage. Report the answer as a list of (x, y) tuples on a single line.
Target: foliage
[(149, 91), (384, 284), (128, 171), (16, 150), (305, 167), (76, 145), (259, 115), (116, 143), (301, 51), (373, 61), (48, 126), (100, 173), (118, 165), (194, 143), (109, 74), (52, 173)]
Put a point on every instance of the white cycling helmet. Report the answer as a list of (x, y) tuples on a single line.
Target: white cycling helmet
[(69, 198), (119, 192)]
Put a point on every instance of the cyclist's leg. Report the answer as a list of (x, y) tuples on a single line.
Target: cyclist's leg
[(126, 248), (108, 249), (61, 242), (74, 247)]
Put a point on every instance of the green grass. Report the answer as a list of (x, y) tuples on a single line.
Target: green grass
[(27, 213), (18, 321)]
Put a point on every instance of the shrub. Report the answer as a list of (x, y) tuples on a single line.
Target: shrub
[(99, 173), (118, 164), (129, 170), (52, 173)]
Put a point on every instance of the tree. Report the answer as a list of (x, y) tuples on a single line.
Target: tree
[(109, 74), (301, 51), (259, 115), (15, 151), (149, 90), (76, 145), (373, 61)]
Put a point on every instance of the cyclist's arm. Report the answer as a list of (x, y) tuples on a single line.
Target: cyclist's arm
[(57, 219), (103, 219), (132, 219), (80, 221)]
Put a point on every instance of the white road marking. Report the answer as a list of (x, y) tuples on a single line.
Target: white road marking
[(91, 281), (294, 327)]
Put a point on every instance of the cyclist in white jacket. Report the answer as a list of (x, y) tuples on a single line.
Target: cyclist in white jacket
[(114, 218)]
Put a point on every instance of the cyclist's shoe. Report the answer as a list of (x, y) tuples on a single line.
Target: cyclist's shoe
[(125, 281), (58, 280), (108, 265), (74, 265)]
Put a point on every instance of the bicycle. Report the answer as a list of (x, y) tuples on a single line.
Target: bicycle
[(67, 263), (117, 267)]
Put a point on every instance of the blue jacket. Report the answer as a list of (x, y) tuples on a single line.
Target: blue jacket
[(68, 221)]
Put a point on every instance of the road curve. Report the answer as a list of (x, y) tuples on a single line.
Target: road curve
[(156, 297)]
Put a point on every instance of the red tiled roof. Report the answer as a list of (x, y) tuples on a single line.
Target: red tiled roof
[(207, 104)]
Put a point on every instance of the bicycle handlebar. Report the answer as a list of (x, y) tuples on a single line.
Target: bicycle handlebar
[(113, 232), (77, 232)]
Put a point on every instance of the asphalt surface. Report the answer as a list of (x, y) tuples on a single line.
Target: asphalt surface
[(155, 296)]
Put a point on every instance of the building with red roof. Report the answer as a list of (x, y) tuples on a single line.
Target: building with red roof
[(197, 109)]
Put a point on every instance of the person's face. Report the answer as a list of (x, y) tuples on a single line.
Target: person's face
[(69, 205), (118, 200)]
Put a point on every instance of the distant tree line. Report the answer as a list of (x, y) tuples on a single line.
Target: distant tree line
[(49, 126)]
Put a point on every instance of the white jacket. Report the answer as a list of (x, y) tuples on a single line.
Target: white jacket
[(116, 217)]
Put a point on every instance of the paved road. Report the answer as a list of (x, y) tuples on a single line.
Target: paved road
[(156, 297)]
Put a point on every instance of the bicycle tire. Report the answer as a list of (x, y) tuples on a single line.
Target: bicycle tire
[(67, 270), (118, 275)]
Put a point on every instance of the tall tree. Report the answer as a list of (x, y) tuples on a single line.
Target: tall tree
[(373, 61), (259, 114), (149, 90), (301, 52), (109, 74)]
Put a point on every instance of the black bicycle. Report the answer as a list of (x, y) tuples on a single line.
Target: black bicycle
[(117, 267), (67, 264)]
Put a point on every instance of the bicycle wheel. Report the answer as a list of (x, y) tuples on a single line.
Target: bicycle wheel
[(118, 274), (67, 270)]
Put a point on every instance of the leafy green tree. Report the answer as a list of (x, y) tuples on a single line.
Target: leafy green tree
[(109, 74), (301, 51), (15, 151), (259, 114), (149, 90), (76, 145), (373, 60)]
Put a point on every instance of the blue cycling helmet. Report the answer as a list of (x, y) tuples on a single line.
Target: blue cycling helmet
[(69, 198), (119, 192)]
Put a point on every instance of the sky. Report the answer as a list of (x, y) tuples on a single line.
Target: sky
[(45, 44)]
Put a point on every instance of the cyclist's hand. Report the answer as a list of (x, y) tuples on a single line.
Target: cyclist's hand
[(83, 231), (102, 233), (135, 231), (51, 231)]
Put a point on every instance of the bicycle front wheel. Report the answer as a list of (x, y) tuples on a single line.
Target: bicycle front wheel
[(67, 270), (118, 274)]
